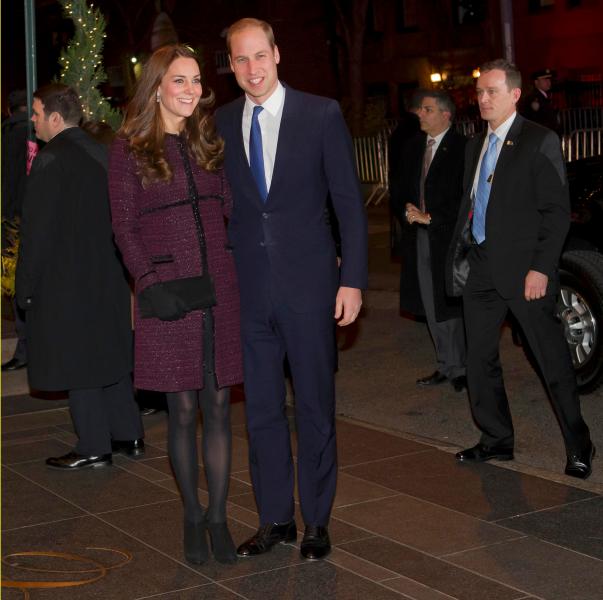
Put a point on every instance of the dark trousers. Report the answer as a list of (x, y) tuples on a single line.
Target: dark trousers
[(448, 336), (271, 331), (485, 311), (20, 353), (102, 414)]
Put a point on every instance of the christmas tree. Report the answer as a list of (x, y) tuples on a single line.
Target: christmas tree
[(81, 61)]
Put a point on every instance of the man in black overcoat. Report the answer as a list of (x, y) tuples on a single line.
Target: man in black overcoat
[(513, 220), (426, 190), (72, 285)]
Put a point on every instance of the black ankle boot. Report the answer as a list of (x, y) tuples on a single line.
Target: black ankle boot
[(221, 543), (195, 542)]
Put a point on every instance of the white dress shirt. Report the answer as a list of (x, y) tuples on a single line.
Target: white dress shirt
[(270, 123), (438, 138), (501, 133)]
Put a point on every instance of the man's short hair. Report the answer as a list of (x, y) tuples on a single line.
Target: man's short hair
[(245, 24), (512, 74), (17, 99), (57, 97), (442, 98)]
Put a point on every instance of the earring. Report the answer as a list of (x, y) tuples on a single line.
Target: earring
[(158, 97)]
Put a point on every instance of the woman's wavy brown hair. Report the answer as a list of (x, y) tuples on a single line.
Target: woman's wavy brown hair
[(144, 129)]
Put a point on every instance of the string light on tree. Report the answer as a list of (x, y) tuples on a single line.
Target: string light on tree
[(81, 61)]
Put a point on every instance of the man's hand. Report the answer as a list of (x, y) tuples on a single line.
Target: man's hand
[(347, 305), (414, 215), (535, 285)]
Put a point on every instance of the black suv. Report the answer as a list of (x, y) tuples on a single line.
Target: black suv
[(580, 304)]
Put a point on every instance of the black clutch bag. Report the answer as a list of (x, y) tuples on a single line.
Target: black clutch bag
[(195, 292)]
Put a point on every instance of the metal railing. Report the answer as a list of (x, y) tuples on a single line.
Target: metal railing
[(584, 143), (373, 168), (372, 164)]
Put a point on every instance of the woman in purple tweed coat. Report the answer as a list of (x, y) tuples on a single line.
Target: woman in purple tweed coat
[(169, 201)]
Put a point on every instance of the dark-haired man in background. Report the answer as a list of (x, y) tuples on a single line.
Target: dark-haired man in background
[(426, 191), (73, 286)]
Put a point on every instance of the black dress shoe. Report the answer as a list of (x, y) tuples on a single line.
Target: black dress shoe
[(459, 383), (579, 464), (14, 364), (316, 543), (481, 453), (268, 536), (196, 550), (72, 461), (133, 448), (145, 412), (434, 379)]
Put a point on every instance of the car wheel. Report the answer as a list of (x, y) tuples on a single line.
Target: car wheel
[(580, 308)]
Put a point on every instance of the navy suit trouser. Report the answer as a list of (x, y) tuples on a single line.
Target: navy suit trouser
[(272, 330)]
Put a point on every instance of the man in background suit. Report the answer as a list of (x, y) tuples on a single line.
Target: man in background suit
[(425, 194), (286, 151), (512, 224)]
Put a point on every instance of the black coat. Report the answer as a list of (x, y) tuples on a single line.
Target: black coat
[(528, 213), (443, 191), (14, 163), (69, 277), (539, 108)]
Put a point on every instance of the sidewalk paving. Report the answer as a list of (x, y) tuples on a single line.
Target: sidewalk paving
[(408, 521)]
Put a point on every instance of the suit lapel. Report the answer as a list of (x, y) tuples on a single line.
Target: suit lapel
[(243, 167), (474, 160), (441, 152), (506, 153), (288, 135)]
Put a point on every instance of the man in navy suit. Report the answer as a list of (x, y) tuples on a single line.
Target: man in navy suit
[(287, 152)]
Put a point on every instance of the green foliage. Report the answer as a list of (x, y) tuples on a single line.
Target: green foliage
[(10, 234), (81, 61)]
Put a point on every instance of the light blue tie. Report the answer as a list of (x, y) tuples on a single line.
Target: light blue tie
[(256, 153), (482, 193)]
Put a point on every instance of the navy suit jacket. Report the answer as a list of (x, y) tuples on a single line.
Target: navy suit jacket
[(285, 244)]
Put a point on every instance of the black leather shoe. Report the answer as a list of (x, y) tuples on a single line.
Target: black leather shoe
[(316, 543), (268, 536), (72, 461), (579, 464), (434, 379), (133, 448), (459, 383), (481, 453), (145, 412), (13, 364), (196, 549)]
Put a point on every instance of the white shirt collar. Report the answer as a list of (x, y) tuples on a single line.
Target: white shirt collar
[(438, 138), (272, 105), (503, 129)]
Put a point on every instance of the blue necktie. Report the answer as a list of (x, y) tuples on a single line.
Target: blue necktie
[(482, 194), (256, 153)]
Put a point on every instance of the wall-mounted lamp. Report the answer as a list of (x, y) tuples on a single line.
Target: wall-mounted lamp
[(435, 77), (133, 60), (475, 73)]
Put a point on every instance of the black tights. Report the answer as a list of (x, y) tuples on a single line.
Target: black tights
[(182, 448)]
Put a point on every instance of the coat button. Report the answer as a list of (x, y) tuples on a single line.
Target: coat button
[(262, 244), (265, 215)]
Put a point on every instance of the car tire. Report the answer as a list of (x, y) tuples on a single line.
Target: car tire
[(580, 308)]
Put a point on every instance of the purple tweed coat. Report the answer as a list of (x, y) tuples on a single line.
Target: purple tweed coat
[(159, 238)]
